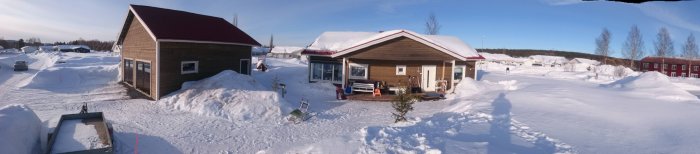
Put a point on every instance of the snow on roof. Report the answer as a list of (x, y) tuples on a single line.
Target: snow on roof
[(495, 56), (585, 61), (286, 49), (338, 41), (71, 47), (549, 59)]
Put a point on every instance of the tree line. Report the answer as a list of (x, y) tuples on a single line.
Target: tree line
[(633, 48), (93, 44)]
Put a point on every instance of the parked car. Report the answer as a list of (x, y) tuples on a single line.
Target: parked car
[(21, 66)]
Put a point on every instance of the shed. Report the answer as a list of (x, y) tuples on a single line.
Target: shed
[(163, 48)]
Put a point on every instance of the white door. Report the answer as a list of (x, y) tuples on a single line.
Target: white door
[(428, 75)]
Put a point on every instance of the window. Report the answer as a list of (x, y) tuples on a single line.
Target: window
[(683, 75), (694, 75), (459, 72), (400, 69), (673, 74), (646, 65), (673, 67), (665, 66), (656, 66), (358, 71), (695, 68), (326, 72), (682, 67), (188, 67)]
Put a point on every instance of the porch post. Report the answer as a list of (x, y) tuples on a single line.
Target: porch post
[(452, 76), (343, 74)]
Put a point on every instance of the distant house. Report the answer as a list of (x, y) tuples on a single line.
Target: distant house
[(73, 48), (581, 64), (163, 48), (1, 47), (285, 52), (393, 57), (673, 67), (28, 49), (47, 48), (551, 61)]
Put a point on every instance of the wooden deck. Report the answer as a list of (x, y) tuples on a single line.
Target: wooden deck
[(383, 98)]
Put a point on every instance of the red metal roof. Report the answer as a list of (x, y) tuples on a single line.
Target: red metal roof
[(669, 60), (180, 25)]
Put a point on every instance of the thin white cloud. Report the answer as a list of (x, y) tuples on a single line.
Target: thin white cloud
[(668, 15), (561, 2)]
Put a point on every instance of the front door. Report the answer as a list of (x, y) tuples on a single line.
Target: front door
[(245, 66), (428, 75), (143, 76)]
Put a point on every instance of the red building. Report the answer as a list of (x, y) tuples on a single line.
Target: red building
[(673, 67)]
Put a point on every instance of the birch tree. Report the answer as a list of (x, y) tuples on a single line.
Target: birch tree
[(633, 48), (432, 26), (690, 48), (663, 43), (603, 45)]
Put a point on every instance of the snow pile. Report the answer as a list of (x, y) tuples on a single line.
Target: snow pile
[(75, 71), (467, 87), (228, 95), (20, 130), (654, 85), (609, 70), (457, 132), (74, 135)]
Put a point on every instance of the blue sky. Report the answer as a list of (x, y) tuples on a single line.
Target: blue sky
[(537, 24)]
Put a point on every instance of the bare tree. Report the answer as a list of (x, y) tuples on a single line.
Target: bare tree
[(634, 46), (432, 27), (663, 43), (690, 49), (603, 45)]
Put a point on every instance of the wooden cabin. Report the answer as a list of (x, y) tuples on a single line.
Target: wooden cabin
[(394, 58), (672, 67), (163, 48)]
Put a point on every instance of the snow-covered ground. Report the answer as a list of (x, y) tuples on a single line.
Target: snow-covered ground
[(529, 110)]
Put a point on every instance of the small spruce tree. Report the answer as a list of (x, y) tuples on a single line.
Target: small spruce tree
[(402, 103)]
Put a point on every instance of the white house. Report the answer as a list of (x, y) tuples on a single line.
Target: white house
[(1, 48), (47, 48), (29, 49), (548, 60), (581, 64), (286, 52)]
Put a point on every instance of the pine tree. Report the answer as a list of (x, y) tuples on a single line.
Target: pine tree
[(402, 103)]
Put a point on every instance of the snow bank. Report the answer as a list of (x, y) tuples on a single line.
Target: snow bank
[(653, 84), (75, 71), (228, 95), (19, 130), (459, 133)]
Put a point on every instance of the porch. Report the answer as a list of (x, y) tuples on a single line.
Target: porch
[(388, 97)]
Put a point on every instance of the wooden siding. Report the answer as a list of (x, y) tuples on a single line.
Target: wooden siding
[(385, 70), (138, 45), (401, 48), (212, 58)]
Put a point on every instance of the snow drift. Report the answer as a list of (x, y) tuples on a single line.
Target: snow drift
[(19, 129), (74, 71), (228, 95), (653, 84)]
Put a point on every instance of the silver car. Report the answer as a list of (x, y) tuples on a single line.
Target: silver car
[(21, 66)]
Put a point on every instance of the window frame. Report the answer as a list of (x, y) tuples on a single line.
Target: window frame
[(403, 72), (673, 67), (683, 67), (464, 72), (182, 66), (321, 75), (366, 68)]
